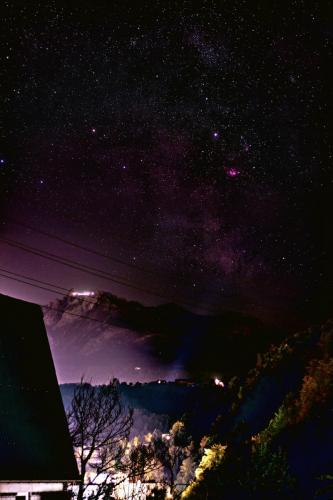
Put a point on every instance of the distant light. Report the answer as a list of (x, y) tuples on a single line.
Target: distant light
[(216, 135), (137, 368), (218, 382), (93, 130), (232, 172), (169, 495), (2, 161), (83, 294)]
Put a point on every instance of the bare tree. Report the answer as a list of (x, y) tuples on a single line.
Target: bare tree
[(99, 426)]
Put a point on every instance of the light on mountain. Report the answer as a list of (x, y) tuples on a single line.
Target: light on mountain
[(218, 382)]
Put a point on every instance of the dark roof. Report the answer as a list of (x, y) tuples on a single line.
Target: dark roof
[(34, 438)]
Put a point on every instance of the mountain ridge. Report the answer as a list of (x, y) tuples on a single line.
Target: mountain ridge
[(134, 342)]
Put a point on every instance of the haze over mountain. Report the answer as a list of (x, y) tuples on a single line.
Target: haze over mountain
[(104, 336)]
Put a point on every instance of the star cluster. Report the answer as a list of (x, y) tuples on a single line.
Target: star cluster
[(190, 140)]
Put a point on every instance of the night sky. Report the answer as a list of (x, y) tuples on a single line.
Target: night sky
[(188, 141)]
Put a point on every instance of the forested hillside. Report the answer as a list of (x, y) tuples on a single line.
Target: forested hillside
[(275, 439)]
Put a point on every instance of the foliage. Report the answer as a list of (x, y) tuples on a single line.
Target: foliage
[(186, 473), (279, 422), (269, 470), (328, 486), (317, 387), (211, 460), (253, 468), (168, 460), (141, 462), (170, 452), (242, 473)]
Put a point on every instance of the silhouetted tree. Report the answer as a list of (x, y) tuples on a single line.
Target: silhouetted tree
[(170, 453), (99, 426)]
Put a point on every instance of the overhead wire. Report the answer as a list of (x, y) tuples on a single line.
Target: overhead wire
[(100, 273), (87, 249), (48, 306)]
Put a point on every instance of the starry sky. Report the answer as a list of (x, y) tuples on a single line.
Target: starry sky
[(186, 141)]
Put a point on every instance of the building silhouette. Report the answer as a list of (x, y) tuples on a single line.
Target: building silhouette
[(36, 456)]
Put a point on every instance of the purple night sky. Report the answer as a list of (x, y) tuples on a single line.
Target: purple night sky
[(189, 145)]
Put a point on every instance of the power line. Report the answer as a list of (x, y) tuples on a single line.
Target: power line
[(34, 279), (47, 284), (44, 288), (55, 292), (82, 247), (57, 258), (97, 272), (91, 250), (52, 291)]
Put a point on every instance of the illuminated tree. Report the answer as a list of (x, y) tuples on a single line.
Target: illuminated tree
[(242, 472), (317, 387)]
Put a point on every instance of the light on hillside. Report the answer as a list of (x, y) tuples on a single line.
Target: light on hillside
[(218, 382)]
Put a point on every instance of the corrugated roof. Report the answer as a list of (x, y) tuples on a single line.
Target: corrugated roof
[(34, 438)]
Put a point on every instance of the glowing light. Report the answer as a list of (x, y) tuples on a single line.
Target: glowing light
[(169, 494), (85, 293), (93, 130), (216, 135), (137, 368), (232, 172), (218, 382)]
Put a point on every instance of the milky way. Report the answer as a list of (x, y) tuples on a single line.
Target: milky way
[(189, 141)]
